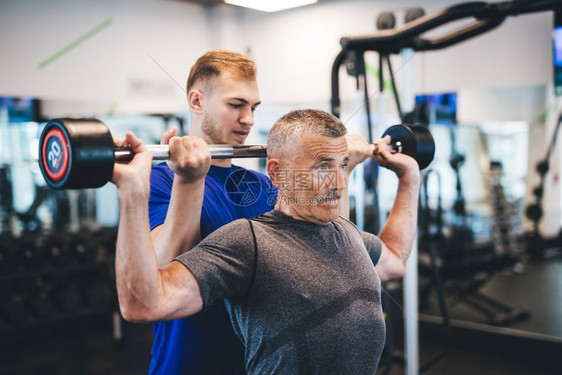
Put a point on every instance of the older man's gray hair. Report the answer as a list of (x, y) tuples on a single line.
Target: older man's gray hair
[(287, 131)]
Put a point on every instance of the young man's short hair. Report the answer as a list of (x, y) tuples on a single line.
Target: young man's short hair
[(213, 63)]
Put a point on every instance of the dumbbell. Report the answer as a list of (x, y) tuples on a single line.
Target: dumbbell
[(79, 153), (413, 140)]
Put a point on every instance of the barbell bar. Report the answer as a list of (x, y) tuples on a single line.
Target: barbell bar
[(80, 153), (162, 152)]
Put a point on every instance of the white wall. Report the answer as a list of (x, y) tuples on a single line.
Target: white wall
[(294, 50), (112, 67)]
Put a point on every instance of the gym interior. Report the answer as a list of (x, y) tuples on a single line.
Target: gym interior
[(484, 280)]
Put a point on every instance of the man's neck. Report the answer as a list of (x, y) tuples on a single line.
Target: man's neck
[(286, 210), (223, 163), (196, 131)]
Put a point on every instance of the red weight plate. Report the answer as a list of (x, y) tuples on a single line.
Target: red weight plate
[(55, 155)]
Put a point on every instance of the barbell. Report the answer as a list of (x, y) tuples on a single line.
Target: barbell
[(80, 153)]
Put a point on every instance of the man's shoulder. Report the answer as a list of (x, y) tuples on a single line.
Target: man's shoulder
[(239, 169), (235, 227), (346, 223), (234, 234)]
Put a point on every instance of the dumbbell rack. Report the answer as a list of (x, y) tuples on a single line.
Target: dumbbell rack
[(50, 279), (507, 221)]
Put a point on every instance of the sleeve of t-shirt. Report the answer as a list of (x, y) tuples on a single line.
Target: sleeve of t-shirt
[(160, 193), (373, 245), (223, 263)]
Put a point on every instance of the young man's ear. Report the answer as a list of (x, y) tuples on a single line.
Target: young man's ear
[(195, 99)]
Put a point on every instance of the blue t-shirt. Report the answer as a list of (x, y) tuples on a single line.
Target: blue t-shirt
[(205, 343)]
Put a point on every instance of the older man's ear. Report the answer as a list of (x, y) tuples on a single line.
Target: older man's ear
[(273, 170)]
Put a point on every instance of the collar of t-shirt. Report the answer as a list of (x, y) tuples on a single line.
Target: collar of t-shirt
[(288, 219)]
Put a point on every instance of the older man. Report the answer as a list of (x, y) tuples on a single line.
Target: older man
[(301, 283)]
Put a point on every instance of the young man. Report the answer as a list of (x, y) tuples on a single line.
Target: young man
[(301, 283), (187, 203)]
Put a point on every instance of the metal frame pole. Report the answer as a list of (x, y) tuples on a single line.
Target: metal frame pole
[(411, 336)]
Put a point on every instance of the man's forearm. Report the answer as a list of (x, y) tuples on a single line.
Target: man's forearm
[(139, 283), (400, 229), (181, 229)]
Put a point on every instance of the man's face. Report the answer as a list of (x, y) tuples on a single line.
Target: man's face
[(228, 111), (315, 179)]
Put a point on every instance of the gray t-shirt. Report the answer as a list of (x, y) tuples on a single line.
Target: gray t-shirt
[(303, 298)]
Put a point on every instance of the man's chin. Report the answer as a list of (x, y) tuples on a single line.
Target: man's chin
[(239, 139)]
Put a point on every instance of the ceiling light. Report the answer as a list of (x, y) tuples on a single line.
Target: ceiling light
[(270, 5)]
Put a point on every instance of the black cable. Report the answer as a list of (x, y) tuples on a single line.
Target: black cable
[(394, 89), (367, 104), (335, 101)]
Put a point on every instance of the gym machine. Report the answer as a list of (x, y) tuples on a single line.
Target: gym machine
[(386, 42), (536, 243)]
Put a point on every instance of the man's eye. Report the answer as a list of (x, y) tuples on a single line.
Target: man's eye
[(235, 105), (254, 109), (323, 167), (343, 167)]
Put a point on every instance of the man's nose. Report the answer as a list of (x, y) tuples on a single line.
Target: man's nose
[(339, 182), (247, 116)]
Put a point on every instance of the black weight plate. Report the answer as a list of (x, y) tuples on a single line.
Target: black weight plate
[(89, 158), (426, 145), (416, 141)]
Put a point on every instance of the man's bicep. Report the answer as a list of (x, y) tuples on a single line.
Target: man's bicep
[(382, 265), (389, 266), (381, 256), (182, 294)]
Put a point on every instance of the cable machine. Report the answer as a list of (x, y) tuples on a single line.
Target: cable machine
[(408, 39)]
